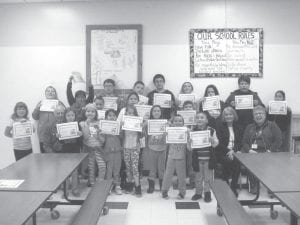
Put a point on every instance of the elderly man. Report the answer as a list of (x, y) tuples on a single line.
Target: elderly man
[(51, 142), (260, 136)]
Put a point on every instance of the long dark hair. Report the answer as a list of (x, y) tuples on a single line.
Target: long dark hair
[(151, 111), (213, 87), (19, 105)]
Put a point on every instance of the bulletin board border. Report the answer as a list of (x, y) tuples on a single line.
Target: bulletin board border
[(220, 75)]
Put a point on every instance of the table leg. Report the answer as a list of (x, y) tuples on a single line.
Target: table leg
[(34, 218), (294, 219)]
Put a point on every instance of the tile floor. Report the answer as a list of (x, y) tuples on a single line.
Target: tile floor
[(151, 209)]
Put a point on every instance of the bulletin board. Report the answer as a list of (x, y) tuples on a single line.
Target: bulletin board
[(113, 52), (226, 52)]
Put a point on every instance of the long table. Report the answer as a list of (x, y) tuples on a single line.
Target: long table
[(42, 173), (280, 173)]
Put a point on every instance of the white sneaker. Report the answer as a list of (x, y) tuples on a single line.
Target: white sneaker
[(118, 190)]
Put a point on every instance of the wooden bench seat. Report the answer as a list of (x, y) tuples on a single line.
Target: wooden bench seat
[(231, 208), (91, 209)]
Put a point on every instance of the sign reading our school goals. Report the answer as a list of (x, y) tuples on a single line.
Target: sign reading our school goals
[(226, 52)]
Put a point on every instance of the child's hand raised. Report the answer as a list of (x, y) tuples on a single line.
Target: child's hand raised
[(79, 133)]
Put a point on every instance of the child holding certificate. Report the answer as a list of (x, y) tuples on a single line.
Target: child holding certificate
[(175, 163), (283, 121), (72, 145), (203, 158), (78, 102), (45, 117), (245, 115), (213, 113), (113, 158), (22, 145), (159, 82), (131, 148), (139, 87), (157, 149), (186, 94), (93, 142)]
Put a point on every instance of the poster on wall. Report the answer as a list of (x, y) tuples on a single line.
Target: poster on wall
[(226, 52), (113, 52)]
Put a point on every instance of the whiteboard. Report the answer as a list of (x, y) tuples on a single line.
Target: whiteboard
[(113, 52), (226, 52)]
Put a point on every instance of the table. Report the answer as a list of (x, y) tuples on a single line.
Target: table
[(42, 172), (280, 173), (18, 207)]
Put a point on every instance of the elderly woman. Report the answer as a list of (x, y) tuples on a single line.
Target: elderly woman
[(229, 133), (261, 136)]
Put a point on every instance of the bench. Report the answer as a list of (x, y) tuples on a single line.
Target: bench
[(228, 204), (93, 205)]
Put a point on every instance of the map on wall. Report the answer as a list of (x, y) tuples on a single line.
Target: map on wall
[(113, 53), (226, 52)]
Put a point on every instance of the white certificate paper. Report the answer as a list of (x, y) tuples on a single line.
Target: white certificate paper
[(132, 123), (186, 97), (101, 114), (48, 105), (157, 126), (200, 139), (109, 127), (278, 107), (110, 103), (22, 129), (211, 103), (244, 102), (67, 130), (176, 135), (10, 183), (189, 116), (143, 110), (163, 100), (143, 100)]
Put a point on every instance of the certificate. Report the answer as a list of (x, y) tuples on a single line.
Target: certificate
[(157, 126), (143, 100), (244, 102), (109, 127), (48, 105), (189, 116), (200, 139), (67, 130), (101, 114), (176, 135), (186, 97), (278, 107), (163, 100), (22, 129), (143, 110), (110, 103), (133, 123), (10, 183), (211, 103)]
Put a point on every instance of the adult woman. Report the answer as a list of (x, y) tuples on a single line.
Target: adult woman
[(259, 137), (214, 114), (230, 141)]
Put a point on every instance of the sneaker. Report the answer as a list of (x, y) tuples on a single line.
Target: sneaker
[(180, 196), (196, 197), (118, 190), (165, 195), (207, 196)]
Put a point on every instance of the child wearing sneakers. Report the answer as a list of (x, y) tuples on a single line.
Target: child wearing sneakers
[(175, 163), (113, 157), (203, 160)]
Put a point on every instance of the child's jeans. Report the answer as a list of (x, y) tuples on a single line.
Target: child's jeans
[(113, 166), (179, 166), (157, 163), (204, 175), (131, 158)]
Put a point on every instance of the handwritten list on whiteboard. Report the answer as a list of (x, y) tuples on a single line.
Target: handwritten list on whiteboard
[(226, 52)]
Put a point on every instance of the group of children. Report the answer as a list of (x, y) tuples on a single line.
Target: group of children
[(114, 154)]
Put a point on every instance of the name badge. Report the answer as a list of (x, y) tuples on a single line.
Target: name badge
[(254, 146)]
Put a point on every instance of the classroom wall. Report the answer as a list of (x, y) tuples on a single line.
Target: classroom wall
[(41, 44)]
